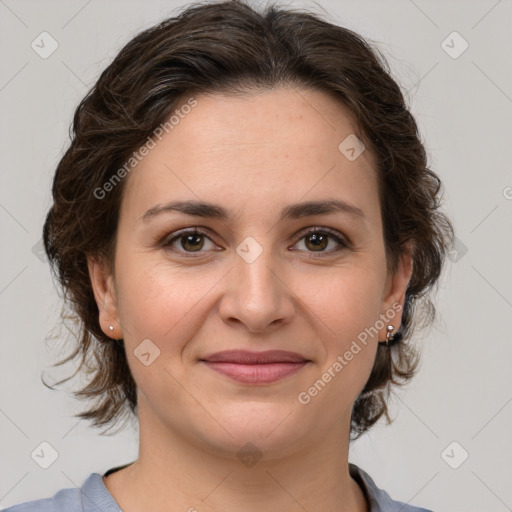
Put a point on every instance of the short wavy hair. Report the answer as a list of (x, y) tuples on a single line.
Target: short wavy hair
[(229, 47)]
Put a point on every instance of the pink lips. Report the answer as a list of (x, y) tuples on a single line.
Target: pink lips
[(255, 367)]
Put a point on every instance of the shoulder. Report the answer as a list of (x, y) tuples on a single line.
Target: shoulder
[(65, 499), (93, 496), (380, 500)]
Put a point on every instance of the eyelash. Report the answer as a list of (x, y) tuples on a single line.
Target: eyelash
[(167, 241)]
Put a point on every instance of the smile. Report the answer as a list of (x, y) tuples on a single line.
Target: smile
[(255, 367)]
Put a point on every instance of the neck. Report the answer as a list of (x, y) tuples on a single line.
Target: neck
[(176, 471)]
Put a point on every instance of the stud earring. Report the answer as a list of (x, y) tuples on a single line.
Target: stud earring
[(111, 327), (389, 336)]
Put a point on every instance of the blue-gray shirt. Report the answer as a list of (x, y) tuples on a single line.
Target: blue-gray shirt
[(94, 497)]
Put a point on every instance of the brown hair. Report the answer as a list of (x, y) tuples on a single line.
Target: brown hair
[(230, 47)]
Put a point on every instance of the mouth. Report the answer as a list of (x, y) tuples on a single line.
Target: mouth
[(255, 367)]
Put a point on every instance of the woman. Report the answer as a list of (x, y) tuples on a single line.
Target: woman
[(243, 223)]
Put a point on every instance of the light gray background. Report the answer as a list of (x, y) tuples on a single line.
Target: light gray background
[(463, 106)]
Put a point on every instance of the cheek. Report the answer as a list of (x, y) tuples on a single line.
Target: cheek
[(160, 312), (348, 301), (144, 295), (161, 303), (348, 310)]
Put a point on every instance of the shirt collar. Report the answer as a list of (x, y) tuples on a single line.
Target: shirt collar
[(95, 495)]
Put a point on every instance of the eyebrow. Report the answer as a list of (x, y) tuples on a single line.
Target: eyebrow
[(294, 211)]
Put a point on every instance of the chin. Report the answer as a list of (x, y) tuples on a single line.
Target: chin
[(268, 430)]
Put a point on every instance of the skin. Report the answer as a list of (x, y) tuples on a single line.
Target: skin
[(253, 155)]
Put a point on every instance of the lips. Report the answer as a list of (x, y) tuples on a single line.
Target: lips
[(246, 357), (255, 367)]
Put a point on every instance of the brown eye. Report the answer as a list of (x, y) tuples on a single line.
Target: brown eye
[(192, 242), (316, 241), (188, 242), (319, 239)]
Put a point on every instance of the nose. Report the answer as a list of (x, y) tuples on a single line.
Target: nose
[(257, 295)]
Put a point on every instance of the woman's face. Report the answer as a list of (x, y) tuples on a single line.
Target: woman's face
[(254, 279)]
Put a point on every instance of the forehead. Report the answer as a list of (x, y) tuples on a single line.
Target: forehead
[(286, 117), (271, 146)]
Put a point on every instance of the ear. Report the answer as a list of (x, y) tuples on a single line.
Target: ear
[(394, 293), (104, 292)]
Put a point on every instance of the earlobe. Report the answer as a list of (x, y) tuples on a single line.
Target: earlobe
[(104, 293)]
